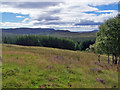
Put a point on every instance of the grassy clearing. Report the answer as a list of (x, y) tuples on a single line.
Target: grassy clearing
[(40, 67)]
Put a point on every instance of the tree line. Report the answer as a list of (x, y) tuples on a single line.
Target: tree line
[(48, 41)]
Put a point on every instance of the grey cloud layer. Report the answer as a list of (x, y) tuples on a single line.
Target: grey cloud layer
[(37, 5), (32, 5)]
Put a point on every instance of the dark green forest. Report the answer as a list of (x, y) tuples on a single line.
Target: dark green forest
[(48, 41)]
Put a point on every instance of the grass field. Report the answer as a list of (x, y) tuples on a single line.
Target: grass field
[(40, 67)]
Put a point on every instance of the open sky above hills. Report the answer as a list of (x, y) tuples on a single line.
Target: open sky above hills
[(73, 15)]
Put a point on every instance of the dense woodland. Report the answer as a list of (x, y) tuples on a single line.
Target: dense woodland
[(48, 41)]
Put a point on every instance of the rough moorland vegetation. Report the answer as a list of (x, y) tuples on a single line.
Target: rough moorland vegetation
[(41, 67)]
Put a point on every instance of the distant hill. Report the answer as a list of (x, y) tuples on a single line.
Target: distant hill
[(45, 31), (87, 31), (76, 36)]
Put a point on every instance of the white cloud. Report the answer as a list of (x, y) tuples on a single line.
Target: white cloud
[(19, 16), (13, 25), (26, 19), (70, 11), (31, 0), (111, 11), (71, 1)]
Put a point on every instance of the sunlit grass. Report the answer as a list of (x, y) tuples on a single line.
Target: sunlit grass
[(40, 67)]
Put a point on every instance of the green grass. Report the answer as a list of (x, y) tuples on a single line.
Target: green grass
[(40, 67)]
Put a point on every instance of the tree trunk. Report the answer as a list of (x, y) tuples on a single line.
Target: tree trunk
[(119, 61), (108, 58), (115, 59), (99, 58)]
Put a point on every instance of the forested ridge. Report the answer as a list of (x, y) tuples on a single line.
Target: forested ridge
[(48, 41)]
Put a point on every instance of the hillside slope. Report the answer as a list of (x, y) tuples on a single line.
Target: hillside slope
[(40, 67), (48, 31), (76, 36)]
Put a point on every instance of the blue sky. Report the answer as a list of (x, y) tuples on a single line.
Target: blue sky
[(113, 6), (13, 17), (70, 15)]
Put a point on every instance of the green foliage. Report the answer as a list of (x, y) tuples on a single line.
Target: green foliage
[(48, 41), (9, 39), (83, 45), (45, 41), (108, 37)]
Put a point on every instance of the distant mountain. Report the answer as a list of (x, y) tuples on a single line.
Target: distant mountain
[(94, 31), (43, 31), (87, 31), (47, 31)]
